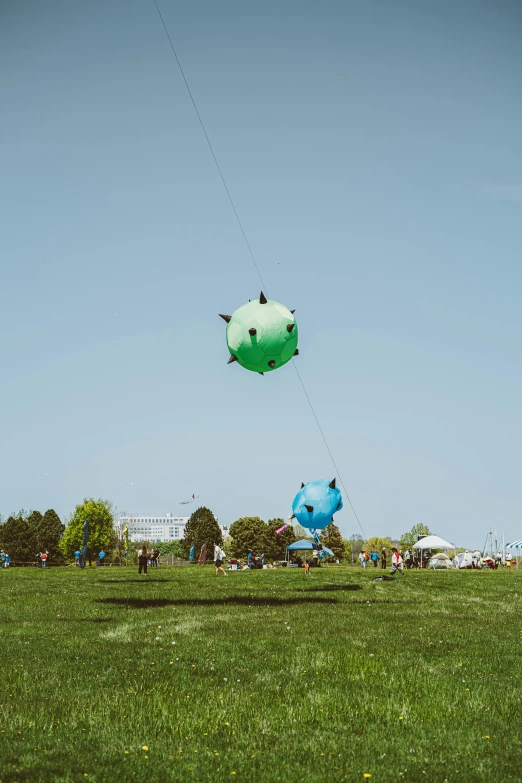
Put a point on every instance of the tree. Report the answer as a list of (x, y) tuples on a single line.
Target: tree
[(202, 528), (332, 538), (302, 533), (247, 533), (171, 548), (49, 530), (275, 543), (409, 539), (19, 538), (376, 544), (357, 544), (101, 528), (347, 550)]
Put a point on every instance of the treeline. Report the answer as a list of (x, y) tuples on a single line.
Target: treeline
[(251, 533), (25, 534)]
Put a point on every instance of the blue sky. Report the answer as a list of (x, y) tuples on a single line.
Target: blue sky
[(373, 153)]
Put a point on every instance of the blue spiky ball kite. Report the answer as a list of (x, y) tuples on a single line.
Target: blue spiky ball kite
[(316, 503)]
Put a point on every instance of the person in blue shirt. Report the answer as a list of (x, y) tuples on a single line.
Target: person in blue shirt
[(374, 557), (2, 558), (101, 558), (251, 559), (77, 557)]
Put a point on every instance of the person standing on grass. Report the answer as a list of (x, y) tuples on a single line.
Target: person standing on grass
[(397, 564), (43, 558), (219, 556), (77, 557), (374, 558), (101, 558), (2, 558), (307, 567), (383, 557), (362, 559), (143, 557)]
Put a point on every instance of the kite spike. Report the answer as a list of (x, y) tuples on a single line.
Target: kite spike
[(261, 373), (332, 484), (252, 331), (290, 327), (262, 298), (292, 311), (232, 359), (309, 508), (296, 352), (302, 484), (225, 317), (271, 363)]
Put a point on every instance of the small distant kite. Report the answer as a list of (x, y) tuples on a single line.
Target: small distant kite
[(192, 499), (282, 529)]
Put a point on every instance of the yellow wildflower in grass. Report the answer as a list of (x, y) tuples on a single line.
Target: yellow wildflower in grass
[(144, 747), (367, 775)]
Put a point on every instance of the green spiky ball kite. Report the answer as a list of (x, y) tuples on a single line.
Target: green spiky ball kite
[(261, 335)]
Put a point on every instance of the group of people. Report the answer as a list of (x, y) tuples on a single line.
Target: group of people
[(397, 559), (365, 558), (146, 558)]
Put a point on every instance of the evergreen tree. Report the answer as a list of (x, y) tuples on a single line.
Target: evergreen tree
[(332, 538), (202, 528), (276, 543), (248, 533), (101, 528), (19, 539), (49, 530)]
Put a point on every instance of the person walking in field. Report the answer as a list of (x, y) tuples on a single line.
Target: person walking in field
[(383, 557), (307, 567), (362, 559), (77, 557), (219, 556), (143, 557), (397, 564), (374, 557)]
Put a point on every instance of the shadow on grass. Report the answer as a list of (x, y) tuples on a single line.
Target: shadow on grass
[(86, 620), (143, 581), (233, 600), (332, 588)]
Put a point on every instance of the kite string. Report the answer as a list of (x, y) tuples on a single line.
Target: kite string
[(338, 472), (251, 253), (210, 147)]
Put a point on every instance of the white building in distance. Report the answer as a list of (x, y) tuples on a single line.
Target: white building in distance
[(145, 527), (154, 528)]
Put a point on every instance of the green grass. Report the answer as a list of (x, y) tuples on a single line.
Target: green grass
[(274, 676)]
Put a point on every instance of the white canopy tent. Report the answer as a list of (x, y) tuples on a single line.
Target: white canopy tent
[(432, 542)]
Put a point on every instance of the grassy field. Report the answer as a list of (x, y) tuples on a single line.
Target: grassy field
[(265, 676)]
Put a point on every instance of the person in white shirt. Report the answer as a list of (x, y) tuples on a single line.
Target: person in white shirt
[(219, 556), (397, 564)]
